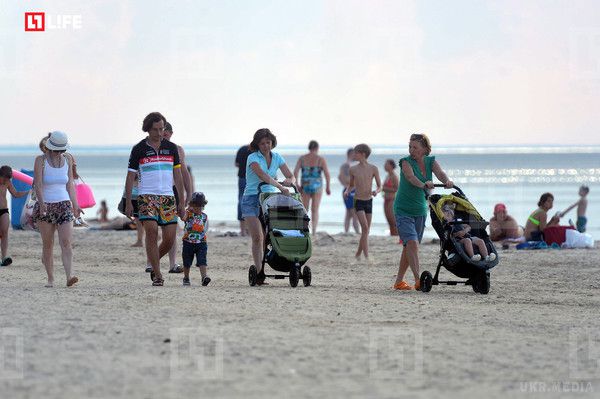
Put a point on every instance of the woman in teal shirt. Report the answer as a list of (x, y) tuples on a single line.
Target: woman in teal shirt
[(410, 206), (261, 166)]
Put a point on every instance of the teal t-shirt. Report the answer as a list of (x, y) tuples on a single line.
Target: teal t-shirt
[(252, 179), (410, 199)]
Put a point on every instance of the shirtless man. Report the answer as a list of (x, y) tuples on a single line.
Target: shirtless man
[(503, 226), (6, 186), (183, 197), (361, 179)]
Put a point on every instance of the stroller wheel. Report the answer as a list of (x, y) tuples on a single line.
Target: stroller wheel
[(306, 276), (294, 276), (481, 283), (426, 281), (252, 276)]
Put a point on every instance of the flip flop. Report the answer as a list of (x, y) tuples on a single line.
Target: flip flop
[(6, 261), (205, 281), (72, 281)]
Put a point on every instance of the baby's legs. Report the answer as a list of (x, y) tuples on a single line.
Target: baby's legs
[(481, 245), (363, 244), (468, 246), (4, 222)]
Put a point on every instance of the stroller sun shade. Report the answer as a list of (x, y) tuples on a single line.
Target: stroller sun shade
[(279, 201)]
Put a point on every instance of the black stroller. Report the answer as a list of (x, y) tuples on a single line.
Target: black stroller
[(287, 244), (452, 254)]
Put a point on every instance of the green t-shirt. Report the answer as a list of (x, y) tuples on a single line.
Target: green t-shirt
[(410, 199)]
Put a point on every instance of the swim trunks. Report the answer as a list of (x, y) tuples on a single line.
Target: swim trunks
[(581, 223), (364, 205), (349, 200), (3, 211), (160, 208)]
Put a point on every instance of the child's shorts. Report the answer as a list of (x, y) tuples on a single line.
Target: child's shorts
[(364, 205), (581, 223), (190, 250)]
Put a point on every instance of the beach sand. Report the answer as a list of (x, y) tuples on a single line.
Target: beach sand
[(348, 335)]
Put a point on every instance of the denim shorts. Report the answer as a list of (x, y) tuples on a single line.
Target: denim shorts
[(190, 250), (250, 206), (410, 228)]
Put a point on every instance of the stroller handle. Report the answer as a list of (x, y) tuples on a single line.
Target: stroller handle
[(260, 186), (443, 186)]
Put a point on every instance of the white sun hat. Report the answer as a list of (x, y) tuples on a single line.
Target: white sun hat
[(58, 141)]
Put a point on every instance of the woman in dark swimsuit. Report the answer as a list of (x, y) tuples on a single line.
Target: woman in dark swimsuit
[(390, 186)]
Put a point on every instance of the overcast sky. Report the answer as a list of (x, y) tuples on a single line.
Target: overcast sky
[(340, 72)]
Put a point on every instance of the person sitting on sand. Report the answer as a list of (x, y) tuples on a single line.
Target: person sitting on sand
[(6, 186), (503, 226), (581, 205), (461, 232), (538, 220), (361, 179)]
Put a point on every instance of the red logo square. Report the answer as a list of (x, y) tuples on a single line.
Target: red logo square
[(35, 21)]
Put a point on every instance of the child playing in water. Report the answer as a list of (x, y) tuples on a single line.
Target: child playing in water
[(461, 231), (361, 179), (6, 185), (581, 205), (194, 238)]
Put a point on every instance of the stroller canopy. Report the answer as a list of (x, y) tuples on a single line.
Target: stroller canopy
[(279, 201)]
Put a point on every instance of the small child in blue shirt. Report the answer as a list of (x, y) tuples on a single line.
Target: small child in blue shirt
[(194, 238)]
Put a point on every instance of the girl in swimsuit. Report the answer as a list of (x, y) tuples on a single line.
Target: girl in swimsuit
[(390, 186), (537, 221), (311, 165)]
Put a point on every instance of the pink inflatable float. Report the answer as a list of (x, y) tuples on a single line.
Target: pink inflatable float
[(22, 177)]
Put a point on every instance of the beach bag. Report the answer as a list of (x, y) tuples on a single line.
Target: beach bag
[(575, 239), (27, 222), (556, 234), (85, 196)]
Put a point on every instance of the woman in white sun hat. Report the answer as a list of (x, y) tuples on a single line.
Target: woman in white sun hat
[(56, 205)]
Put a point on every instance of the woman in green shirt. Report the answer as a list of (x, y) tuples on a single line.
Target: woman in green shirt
[(410, 206)]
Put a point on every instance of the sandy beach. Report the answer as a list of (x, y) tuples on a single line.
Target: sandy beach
[(348, 335)]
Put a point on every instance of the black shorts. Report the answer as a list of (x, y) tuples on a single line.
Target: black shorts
[(363, 205), (3, 211), (190, 250)]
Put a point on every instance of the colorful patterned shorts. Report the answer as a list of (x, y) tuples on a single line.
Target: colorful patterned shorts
[(56, 213), (160, 208)]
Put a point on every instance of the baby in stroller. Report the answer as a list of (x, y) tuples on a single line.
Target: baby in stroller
[(461, 232)]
